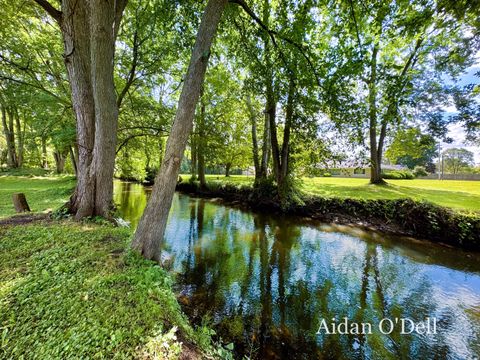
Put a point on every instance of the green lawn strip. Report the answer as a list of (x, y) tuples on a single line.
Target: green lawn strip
[(456, 194), (42, 193), (73, 290)]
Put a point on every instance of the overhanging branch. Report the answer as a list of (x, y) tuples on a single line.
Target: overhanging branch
[(273, 34), (52, 11)]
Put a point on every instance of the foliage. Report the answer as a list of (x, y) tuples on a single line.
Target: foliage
[(398, 174), (455, 160), (467, 102), (71, 290), (412, 148), (456, 194), (419, 171)]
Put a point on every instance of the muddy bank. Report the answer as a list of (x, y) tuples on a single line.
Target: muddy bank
[(406, 217)]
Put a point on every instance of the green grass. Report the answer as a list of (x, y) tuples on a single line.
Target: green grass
[(457, 194), (71, 291), (42, 193)]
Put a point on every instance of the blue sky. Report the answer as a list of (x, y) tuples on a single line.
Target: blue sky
[(456, 130)]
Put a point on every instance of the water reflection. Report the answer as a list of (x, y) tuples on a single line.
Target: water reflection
[(266, 283)]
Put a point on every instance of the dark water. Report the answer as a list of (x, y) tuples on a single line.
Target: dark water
[(266, 283)]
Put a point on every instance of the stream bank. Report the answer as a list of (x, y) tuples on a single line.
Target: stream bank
[(404, 217)]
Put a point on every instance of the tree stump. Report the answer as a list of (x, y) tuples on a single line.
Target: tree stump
[(20, 203)]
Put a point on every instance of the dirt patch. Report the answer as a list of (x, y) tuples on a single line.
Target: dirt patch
[(25, 219)]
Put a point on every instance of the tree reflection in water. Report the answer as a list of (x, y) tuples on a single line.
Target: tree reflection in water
[(266, 283)]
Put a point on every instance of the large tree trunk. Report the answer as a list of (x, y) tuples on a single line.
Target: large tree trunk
[(266, 147), (89, 29), (106, 110), (271, 104), (253, 122), (375, 161), (228, 166), (75, 27), (285, 154), (151, 228)]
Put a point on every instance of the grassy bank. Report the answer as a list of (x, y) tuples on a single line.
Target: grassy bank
[(44, 193), (456, 194), (419, 219), (72, 290)]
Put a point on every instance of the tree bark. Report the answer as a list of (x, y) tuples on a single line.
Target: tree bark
[(151, 228), (9, 133), (44, 152), (73, 159), (285, 154), (75, 26), (266, 147), (60, 158), (102, 41), (20, 138), (253, 122), (20, 203), (89, 30), (375, 161), (228, 166), (201, 146)]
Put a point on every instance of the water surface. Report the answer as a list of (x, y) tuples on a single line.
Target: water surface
[(265, 283)]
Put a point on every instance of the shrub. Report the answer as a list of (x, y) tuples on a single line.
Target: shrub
[(327, 174), (419, 171), (398, 175), (151, 172)]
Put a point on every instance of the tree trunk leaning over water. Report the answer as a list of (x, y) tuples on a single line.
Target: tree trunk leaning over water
[(151, 228)]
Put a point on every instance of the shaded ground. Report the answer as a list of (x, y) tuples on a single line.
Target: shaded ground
[(24, 219)]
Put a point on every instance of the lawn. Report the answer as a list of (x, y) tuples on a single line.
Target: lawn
[(43, 193), (456, 194)]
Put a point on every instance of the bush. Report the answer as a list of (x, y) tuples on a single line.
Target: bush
[(151, 172), (419, 171), (398, 175), (327, 174)]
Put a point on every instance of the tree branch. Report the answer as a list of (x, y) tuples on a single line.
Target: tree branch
[(54, 13), (273, 33)]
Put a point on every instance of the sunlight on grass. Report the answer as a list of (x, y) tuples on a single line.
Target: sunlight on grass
[(42, 193), (456, 194)]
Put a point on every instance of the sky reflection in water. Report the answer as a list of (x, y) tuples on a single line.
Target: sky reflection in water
[(265, 283)]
